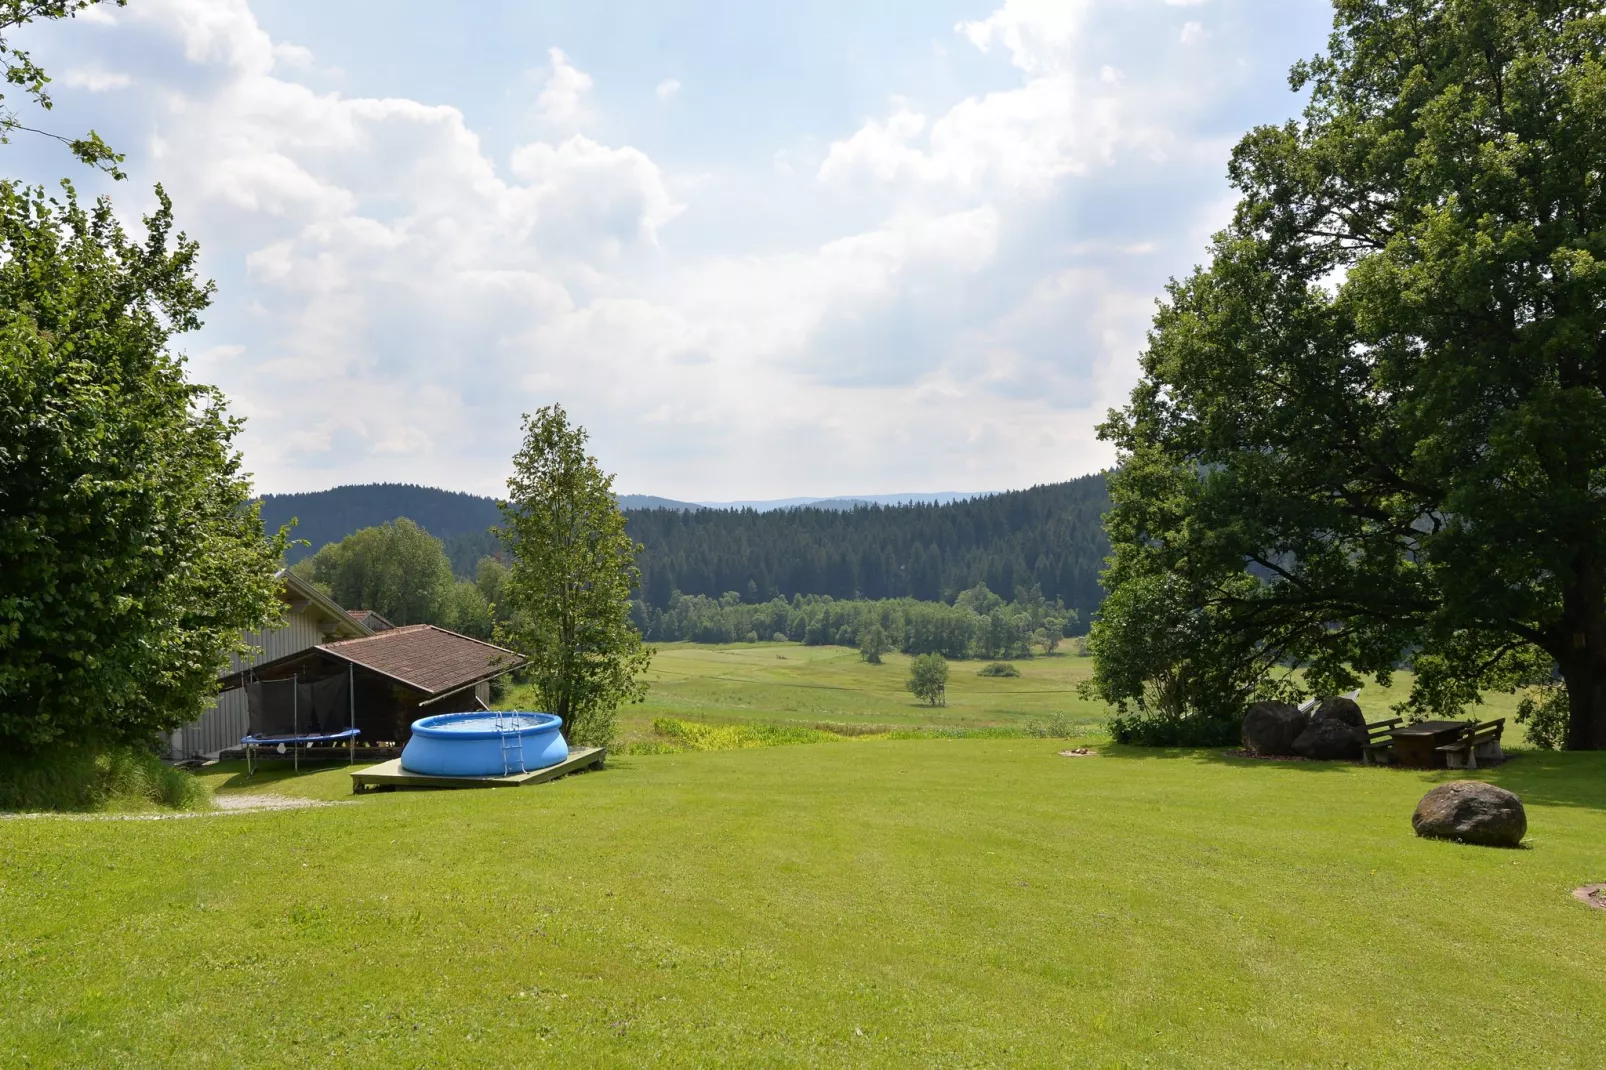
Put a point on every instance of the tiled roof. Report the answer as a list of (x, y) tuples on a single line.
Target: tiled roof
[(371, 618), (425, 657)]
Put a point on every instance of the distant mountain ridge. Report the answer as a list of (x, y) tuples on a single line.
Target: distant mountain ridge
[(330, 515)]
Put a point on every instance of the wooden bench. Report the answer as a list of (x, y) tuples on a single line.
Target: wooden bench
[(1379, 748), (1480, 742)]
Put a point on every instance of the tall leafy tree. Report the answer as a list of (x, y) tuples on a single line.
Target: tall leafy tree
[(568, 590), (396, 568), (131, 556), (1387, 393)]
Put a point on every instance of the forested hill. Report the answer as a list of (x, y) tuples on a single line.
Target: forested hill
[(1049, 535), (330, 515)]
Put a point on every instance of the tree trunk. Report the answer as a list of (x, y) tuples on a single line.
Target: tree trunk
[(1586, 696), (1581, 656)]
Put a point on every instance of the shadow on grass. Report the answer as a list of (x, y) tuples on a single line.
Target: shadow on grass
[(1541, 778), (268, 774)]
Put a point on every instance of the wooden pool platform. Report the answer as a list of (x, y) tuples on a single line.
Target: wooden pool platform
[(389, 776)]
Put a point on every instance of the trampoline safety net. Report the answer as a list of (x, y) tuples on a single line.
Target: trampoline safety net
[(298, 707)]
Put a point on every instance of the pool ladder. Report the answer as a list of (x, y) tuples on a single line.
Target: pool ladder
[(512, 745)]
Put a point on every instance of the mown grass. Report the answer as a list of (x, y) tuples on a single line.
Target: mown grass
[(890, 902), (788, 683), (119, 779), (833, 689)]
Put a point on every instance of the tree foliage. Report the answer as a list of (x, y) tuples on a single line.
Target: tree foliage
[(397, 569), (1049, 536), (928, 679), (569, 587), (1387, 393), (401, 571), (23, 72), (873, 643), (1000, 629), (131, 556)]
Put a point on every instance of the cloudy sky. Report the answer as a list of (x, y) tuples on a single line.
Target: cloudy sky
[(759, 250)]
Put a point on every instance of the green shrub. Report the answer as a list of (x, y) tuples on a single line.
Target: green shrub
[(1543, 712), (1193, 731), (1059, 726), (83, 779), (998, 668)]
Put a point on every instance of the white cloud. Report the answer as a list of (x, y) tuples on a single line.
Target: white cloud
[(96, 81), (565, 87), (1192, 33), (1056, 123), (1183, 3), (295, 57), (394, 290)]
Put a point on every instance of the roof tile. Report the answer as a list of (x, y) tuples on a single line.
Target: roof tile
[(428, 658)]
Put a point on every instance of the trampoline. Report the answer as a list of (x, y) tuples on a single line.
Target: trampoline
[(287, 716)]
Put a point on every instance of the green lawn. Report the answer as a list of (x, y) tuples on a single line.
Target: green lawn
[(794, 684), (912, 902), (919, 902)]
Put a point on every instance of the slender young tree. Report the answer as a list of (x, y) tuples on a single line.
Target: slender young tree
[(928, 679), (567, 594), (1387, 392)]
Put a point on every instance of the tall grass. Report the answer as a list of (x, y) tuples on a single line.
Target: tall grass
[(671, 735), (84, 779), (694, 735)]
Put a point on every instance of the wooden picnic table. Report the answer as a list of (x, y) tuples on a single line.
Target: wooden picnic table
[(1414, 743)]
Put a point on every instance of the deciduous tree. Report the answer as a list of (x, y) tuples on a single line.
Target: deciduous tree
[(1386, 394), (131, 556), (928, 679), (568, 590)]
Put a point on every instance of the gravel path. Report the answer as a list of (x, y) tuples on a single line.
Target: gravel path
[(223, 806)]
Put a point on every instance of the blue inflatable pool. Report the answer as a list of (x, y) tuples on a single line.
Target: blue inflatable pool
[(484, 744)]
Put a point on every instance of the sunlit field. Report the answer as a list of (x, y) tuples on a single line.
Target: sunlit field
[(808, 685)]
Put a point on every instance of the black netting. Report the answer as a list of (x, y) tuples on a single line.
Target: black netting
[(272, 707), (326, 705), (299, 707)]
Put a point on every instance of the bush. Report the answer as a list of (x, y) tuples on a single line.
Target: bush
[(778, 637), (83, 779), (1194, 731), (998, 668), (1058, 726), (1544, 711)]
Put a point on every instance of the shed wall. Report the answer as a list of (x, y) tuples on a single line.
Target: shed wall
[(227, 720)]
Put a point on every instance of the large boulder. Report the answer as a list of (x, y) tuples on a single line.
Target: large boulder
[(1330, 741), (1272, 727), (1472, 812), (1343, 710)]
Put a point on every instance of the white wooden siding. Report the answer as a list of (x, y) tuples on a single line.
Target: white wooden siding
[(222, 725)]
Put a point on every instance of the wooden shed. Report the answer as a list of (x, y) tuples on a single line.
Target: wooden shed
[(394, 676), (309, 617)]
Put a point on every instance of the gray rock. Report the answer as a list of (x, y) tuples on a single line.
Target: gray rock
[(1472, 812), (1330, 741), (1343, 710), (1272, 727)]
